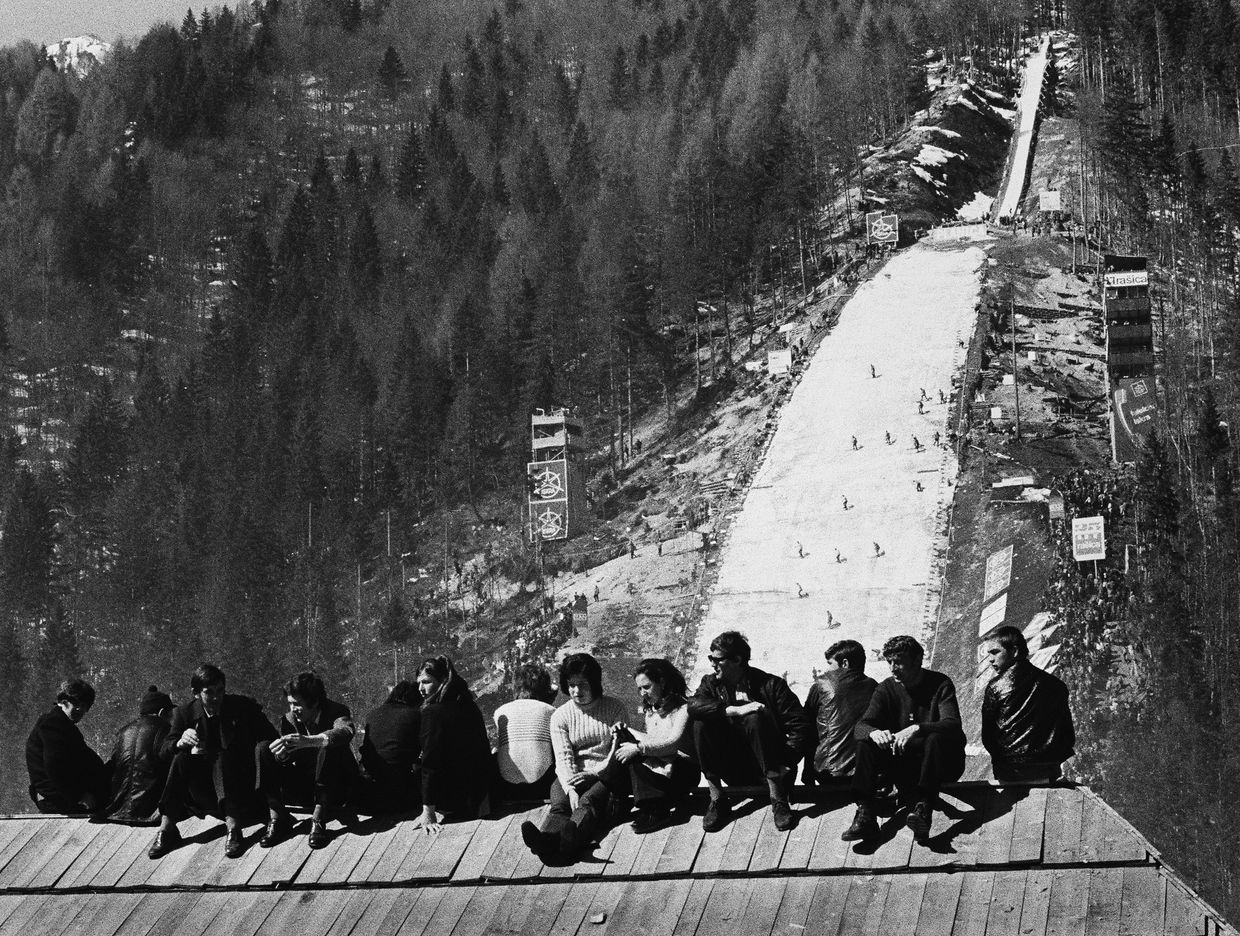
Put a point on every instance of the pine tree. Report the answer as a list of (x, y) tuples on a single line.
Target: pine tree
[(536, 190), (619, 82), (189, 28), (473, 83), (446, 96), (26, 548), (351, 175), (391, 72), (580, 171), (499, 195), (365, 260)]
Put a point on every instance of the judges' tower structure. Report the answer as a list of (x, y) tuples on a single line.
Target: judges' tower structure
[(556, 480)]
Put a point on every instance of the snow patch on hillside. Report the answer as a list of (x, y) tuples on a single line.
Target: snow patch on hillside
[(79, 54)]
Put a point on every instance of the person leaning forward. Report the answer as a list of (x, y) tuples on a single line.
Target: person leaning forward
[(836, 702), (211, 743), (139, 763), (747, 727), (910, 733), (310, 764), (66, 775)]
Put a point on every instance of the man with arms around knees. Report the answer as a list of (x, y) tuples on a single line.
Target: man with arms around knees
[(66, 776), (747, 727), (911, 733), (1026, 723), (211, 744), (310, 764), (835, 704), (139, 762)]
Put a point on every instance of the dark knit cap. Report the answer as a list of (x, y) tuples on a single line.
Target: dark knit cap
[(153, 702)]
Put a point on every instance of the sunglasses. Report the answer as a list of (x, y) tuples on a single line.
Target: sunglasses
[(717, 662)]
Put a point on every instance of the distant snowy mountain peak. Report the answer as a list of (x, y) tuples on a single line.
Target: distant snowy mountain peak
[(79, 54)]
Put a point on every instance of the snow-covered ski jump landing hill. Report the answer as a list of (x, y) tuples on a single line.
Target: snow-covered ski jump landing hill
[(780, 582)]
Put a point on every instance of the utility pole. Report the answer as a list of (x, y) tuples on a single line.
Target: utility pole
[(1015, 369)]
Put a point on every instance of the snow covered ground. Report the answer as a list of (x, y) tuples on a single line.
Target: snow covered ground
[(1030, 92), (911, 322)]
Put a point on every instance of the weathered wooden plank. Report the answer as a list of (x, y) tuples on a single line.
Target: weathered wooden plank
[(149, 909), (133, 848), (375, 915), (1068, 905), (92, 856), (830, 851), (482, 908), (903, 904), (682, 846), (446, 851), (1007, 899), (376, 845), (648, 907), (486, 836), (995, 836), (279, 864), (510, 917), (23, 831), (317, 861), (407, 839), (826, 909), (416, 849), (1094, 822), (799, 843), (586, 900), (765, 899), (344, 859), (1105, 893), (769, 847), (1182, 915), (694, 905), (956, 831), (55, 914), (713, 847), (863, 907), (546, 907), (507, 853), (310, 912), (1035, 908), (896, 851), (1029, 819), (245, 915), (650, 850), (18, 921), (423, 903), (235, 872), (939, 903), (11, 830), (106, 913), (447, 913), (623, 852), (744, 838), (351, 912), (80, 838), (726, 907), (1142, 901), (192, 916), (38, 851), (1061, 840), (171, 867), (974, 904), (794, 905)]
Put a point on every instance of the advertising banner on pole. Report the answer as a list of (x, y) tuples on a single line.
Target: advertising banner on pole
[(1088, 539), (549, 495), (882, 228), (1134, 405)]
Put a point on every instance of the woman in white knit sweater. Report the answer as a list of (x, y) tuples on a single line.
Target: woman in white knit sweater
[(660, 764), (582, 740)]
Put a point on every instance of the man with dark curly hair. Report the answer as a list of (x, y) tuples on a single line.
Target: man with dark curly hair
[(912, 734)]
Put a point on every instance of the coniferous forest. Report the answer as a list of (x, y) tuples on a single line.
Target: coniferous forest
[(282, 281)]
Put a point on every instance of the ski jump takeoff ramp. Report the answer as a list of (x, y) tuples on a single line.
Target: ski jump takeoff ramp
[(780, 582)]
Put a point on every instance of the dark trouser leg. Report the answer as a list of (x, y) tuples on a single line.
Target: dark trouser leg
[(560, 810), (871, 761), (269, 779), (659, 792), (934, 759), (767, 743), (334, 770), (190, 787), (591, 811), (724, 753)]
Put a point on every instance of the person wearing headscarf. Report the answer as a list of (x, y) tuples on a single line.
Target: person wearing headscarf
[(455, 769)]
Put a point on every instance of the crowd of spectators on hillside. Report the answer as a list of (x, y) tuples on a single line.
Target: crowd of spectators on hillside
[(424, 752)]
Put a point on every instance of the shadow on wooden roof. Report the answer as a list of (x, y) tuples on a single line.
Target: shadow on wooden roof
[(1023, 861)]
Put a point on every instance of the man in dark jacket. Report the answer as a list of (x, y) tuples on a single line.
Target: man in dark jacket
[(748, 727), (391, 745), (835, 703), (1026, 723), (911, 732), (211, 744), (310, 764), (139, 765), (66, 776)]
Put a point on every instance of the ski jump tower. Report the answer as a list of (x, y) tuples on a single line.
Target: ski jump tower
[(556, 481)]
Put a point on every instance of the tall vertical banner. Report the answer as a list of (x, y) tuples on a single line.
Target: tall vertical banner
[(557, 501), (1134, 405), (882, 228)]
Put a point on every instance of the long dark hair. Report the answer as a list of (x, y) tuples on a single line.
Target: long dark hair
[(452, 686), (668, 678)]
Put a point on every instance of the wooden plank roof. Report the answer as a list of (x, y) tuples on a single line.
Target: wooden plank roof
[(1032, 861)]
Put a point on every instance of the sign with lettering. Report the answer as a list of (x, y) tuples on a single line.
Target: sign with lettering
[(998, 573), (1088, 539), (1127, 278), (1134, 405)]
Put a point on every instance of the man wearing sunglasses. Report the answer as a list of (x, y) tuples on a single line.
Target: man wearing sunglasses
[(748, 726)]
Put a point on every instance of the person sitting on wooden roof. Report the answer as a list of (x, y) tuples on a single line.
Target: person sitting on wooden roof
[(661, 770), (139, 764), (310, 764), (66, 776), (391, 746), (583, 741), (456, 765), (912, 734), (835, 704), (211, 745), (748, 727), (523, 754), (1026, 722)]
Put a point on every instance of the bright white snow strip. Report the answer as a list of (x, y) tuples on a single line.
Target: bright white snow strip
[(977, 209), (1031, 90), (932, 155), (907, 322)]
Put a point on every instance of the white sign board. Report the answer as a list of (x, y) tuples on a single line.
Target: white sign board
[(1127, 278), (1088, 539), (998, 573), (779, 362), (1048, 200)]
